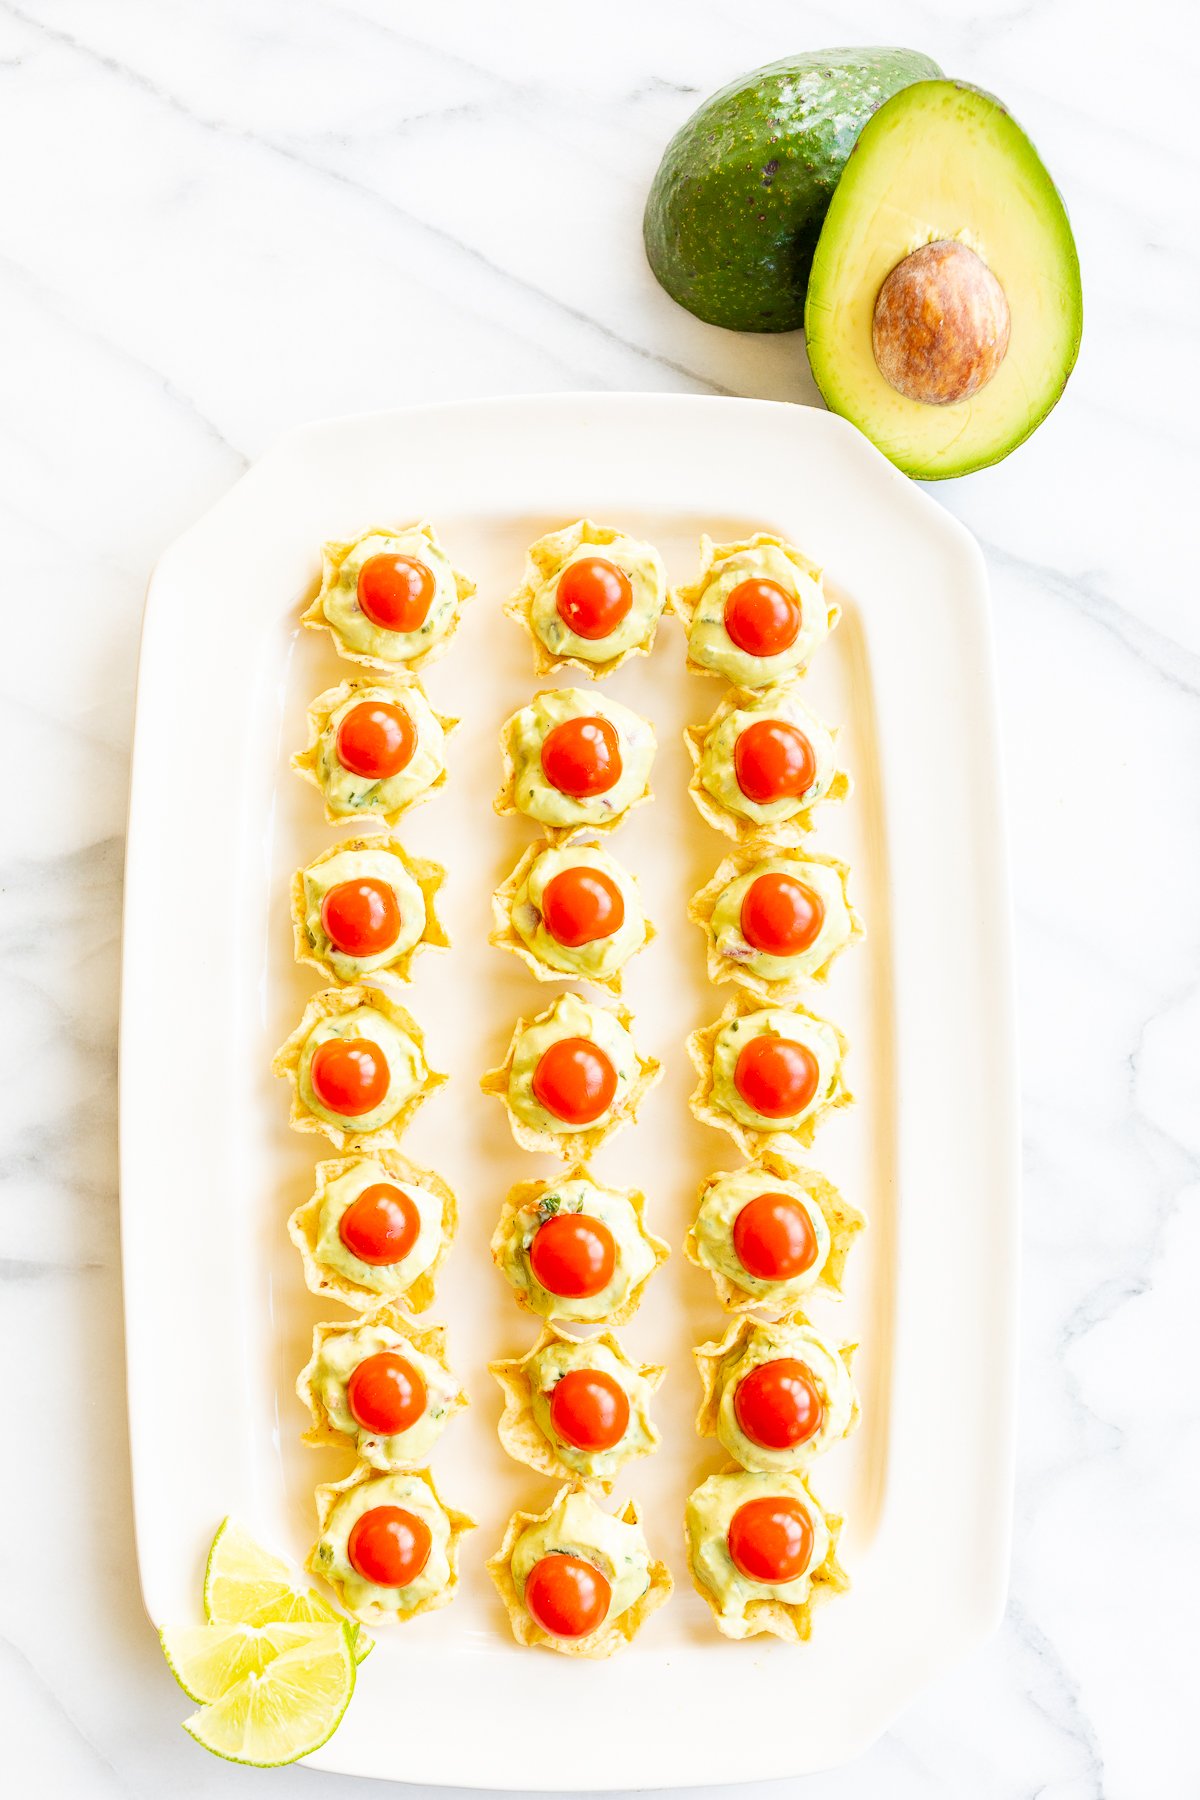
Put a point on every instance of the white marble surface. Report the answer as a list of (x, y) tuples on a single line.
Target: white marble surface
[(218, 221)]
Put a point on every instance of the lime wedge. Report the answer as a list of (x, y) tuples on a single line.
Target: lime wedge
[(245, 1585), (207, 1660), (289, 1710)]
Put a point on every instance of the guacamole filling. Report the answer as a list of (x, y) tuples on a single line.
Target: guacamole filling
[(336, 1360), (352, 795), (406, 1066), (339, 601), (602, 957), (537, 798), (830, 1376), (332, 1555), (357, 865), (578, 1527), (709, 1513), (717, 771), (836, 926), (634, 1261), (544, 1372), (713, 1233), (570, 1017), (387, 1279), (772, 1021), (641, 564), (710, 644)]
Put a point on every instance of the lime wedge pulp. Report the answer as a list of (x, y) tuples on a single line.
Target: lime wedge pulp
[(288, 1710), (245, 1585), (207, 1660)]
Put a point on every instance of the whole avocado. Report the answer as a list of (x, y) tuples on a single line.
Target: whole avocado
[(735, 209)]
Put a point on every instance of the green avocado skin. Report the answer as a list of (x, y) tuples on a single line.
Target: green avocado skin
[(734, 212)]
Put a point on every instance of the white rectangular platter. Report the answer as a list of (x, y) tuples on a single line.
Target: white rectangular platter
[(218, 1319)]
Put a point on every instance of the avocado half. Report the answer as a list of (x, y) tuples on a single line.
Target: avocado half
[(734, 210), (944, 307)]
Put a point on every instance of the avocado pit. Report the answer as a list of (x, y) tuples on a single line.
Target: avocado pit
[(941, 324)]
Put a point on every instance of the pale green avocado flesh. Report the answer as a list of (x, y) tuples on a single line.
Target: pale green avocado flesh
[(942, 161)]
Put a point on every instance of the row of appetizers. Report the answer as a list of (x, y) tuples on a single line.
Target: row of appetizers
[(591, 597), (575, 761)]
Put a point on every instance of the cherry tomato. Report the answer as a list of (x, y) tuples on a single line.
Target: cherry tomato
[(771, 1539), (589, 1409), (582, 757), (593, 596), (385, 1393), (567, 1596), (773, 761), (582, 904), (389, 1546), (396, 592), (776, 1076), (376, 739), (573, 1255), (774, 1238), (381, 1225), (762, 618), (575, 1081), (780, 915), (778, 1404), (361, 917), (349, 1075)]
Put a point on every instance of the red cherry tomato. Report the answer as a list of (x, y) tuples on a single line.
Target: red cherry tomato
[(389, 1546), (776, 1076), (381, 1225), (575, 1081), (780, 915), (349, 1075), (361, 917), (593, 596), (762, 618), (567, 1596), (589, 1409), (582, 904), (385, 1393), (573, 1255), (376, 739), (582, 757), (773, 761), (774, 1238), (396, 592), (778, 1404), (771, 1539)]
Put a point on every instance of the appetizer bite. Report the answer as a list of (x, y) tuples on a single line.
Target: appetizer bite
[(771, 921), (357, 1068), (762, 1550), (576, 1250), (760, 766), (577, 1409), (380, 1386), (578, 1579), (375, 749), (756, 614), (770, 1233), (377, 1229), (590, 598), (767, 1071), (388, 1544), (572, 760), (364, 907), (775, 1396), (390, 599), (571, 912), (572, 1076)]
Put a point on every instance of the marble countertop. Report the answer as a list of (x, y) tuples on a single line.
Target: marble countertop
[(218, 222)]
